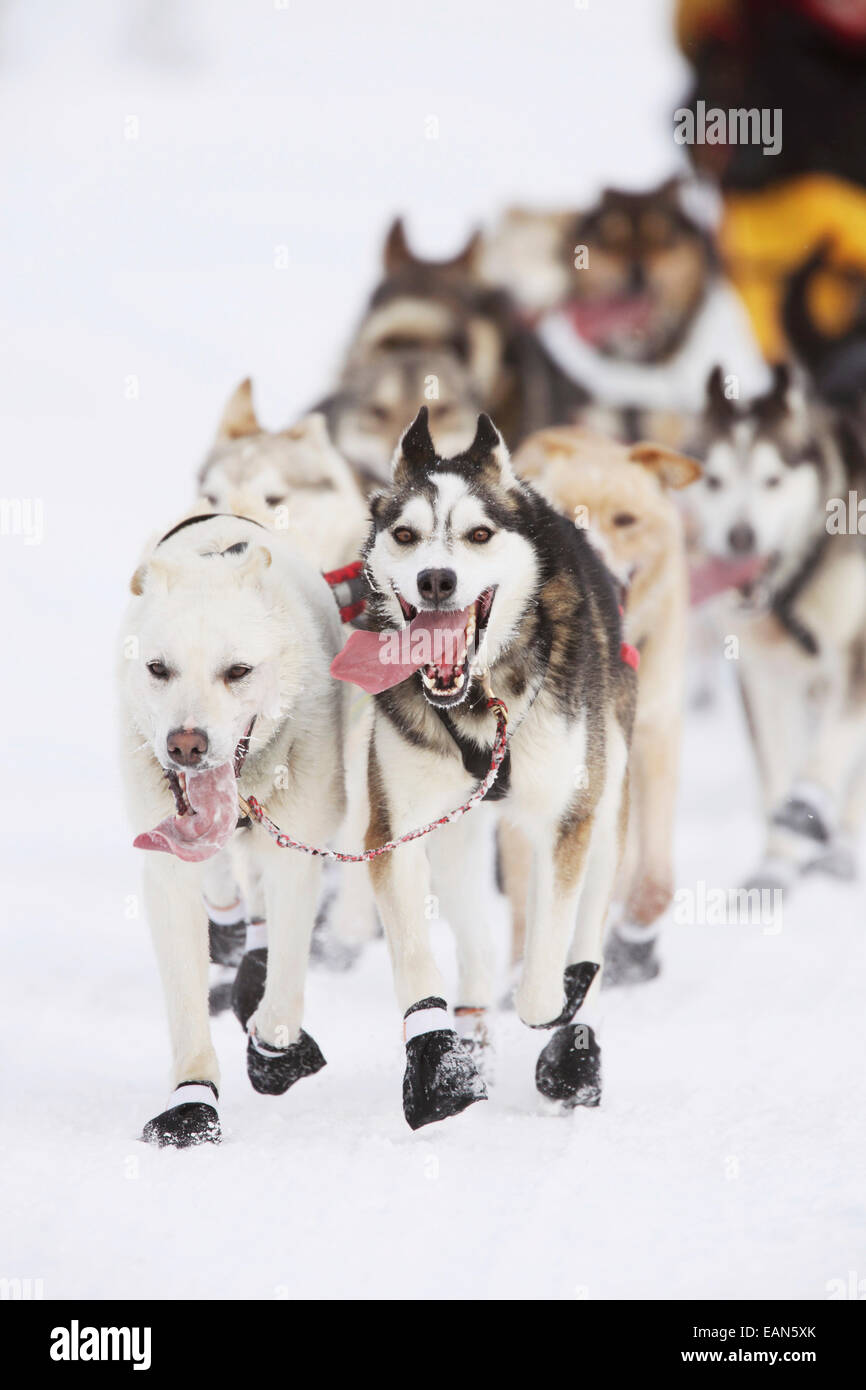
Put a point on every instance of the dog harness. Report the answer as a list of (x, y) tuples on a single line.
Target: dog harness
[(350, 590), (350, 593), (252, 808), (783, 602)]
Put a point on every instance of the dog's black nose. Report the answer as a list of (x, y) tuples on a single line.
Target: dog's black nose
[(187, 747), (636, 278), (741, 538), (435, 586)]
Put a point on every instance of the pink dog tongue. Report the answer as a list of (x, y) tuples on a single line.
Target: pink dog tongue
[(715, 575), (594, 321), (213, 796), (377, 660)]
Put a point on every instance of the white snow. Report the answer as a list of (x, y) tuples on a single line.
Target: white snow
[(727, 1158)]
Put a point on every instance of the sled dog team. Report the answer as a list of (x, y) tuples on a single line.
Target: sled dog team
[(501, 452)]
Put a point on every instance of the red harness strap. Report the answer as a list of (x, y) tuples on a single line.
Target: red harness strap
[(347, 585)]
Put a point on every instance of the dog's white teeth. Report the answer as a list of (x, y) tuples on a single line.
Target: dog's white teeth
[(459, 681)]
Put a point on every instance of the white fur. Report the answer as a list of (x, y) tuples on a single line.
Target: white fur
[(507, 560), (200, 611), (747, 482)]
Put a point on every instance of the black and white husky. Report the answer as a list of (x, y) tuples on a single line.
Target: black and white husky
[(490, 588), (779, 472)]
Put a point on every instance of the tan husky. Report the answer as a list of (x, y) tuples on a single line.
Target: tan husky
[(621, 493)]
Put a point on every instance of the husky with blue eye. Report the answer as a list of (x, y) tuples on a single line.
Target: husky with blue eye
[(479, 585)]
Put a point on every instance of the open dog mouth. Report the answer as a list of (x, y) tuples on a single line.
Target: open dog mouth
[(440, 643), (177, 778), (600, 318), (455, 635), (207, 809), (717, 573)]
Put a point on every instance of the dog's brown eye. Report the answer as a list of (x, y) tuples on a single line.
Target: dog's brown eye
[(237, 673), (158, 669), (624, 519), (481, 535), (713, 483), (772, 482), (404, 535), (274, 501)]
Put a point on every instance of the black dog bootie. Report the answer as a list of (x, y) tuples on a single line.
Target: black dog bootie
[(249, 985), (272, 1070), (441, 1078), (191, 1118), (569, 1067), (628, 960), (576, 981)]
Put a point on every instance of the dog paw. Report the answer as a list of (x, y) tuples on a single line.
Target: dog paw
[(272, 1070), (628, 962), (568, 1069), (226, 941), (772, 876), (575, 986), (837, 861), (186, 1123), (249, 985), (222, 983), (441, 1078), (801, 816), (329, 951)]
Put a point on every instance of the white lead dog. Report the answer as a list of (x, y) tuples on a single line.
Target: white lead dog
[(225, 688)]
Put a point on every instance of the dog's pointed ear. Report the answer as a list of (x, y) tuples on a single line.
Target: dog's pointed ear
[(488, 451), (312, 428), (396, 254), (786, 397), (416, 450), (467, 259), (239, 416), (671, 468), (151, 574), (719, 406)]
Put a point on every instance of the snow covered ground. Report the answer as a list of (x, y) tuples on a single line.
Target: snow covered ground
[(148, 207)]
